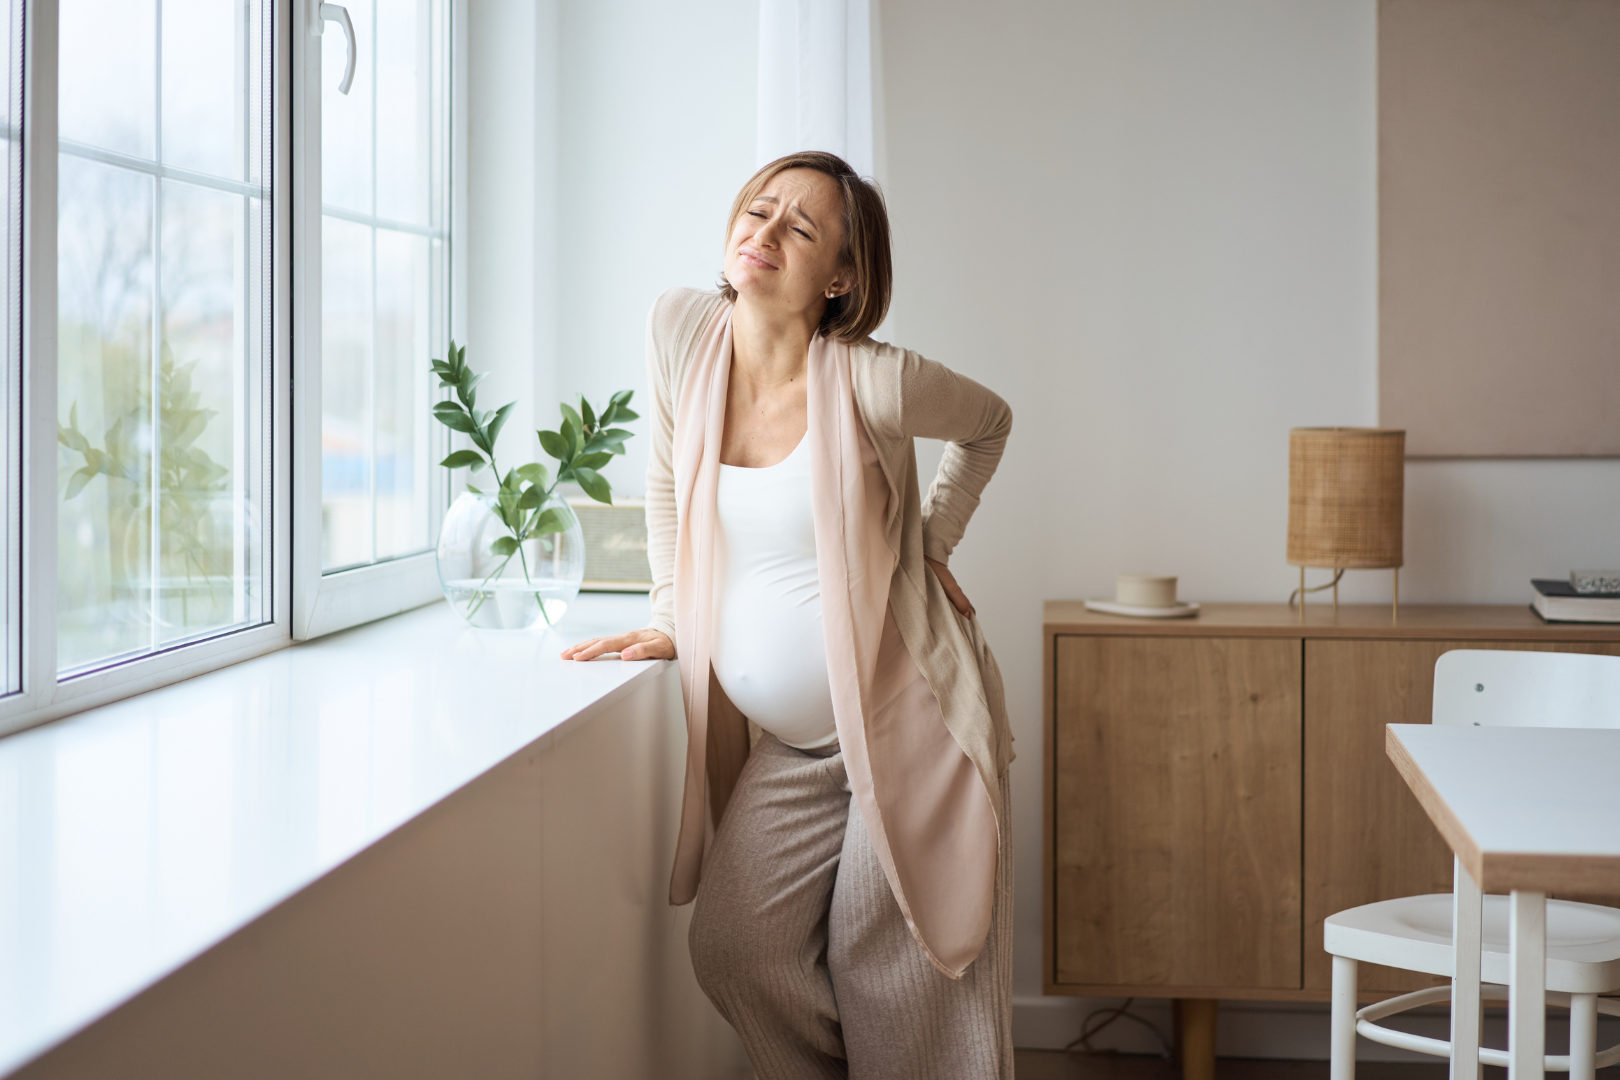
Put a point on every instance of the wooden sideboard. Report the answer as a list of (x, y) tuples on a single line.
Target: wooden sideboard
[(1215, 787)]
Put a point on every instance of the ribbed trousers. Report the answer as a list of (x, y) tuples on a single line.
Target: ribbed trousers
[(799, 943)]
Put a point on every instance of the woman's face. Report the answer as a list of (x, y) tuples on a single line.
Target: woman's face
[(783, 248)]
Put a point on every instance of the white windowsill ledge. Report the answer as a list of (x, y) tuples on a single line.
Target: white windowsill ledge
[(137, 835)]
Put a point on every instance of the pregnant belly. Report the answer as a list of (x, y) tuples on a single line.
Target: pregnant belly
[(771, 660)]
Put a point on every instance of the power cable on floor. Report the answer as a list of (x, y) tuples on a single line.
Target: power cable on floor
[(1099, 1019)]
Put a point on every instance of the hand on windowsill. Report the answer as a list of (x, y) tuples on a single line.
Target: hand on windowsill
[(630, 645)]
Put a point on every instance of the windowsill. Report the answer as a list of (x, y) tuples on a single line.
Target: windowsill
[(137, 835)]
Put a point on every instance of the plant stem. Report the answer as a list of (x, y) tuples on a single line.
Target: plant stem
[(495, 469), (520, 535), (538, 598), (481, 597)]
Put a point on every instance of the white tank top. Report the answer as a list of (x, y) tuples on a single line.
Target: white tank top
[(769, 654)]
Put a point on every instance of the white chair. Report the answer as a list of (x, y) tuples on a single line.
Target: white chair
[(1488, 689)]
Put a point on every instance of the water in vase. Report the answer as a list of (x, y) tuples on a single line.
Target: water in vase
[(509, 604)]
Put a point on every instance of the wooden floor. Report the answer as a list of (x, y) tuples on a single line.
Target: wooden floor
[(1057, 1065)]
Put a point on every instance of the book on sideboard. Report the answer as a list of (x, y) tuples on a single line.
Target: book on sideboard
[(1557, 601)]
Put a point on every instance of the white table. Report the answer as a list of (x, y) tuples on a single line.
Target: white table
[(1527, 811)]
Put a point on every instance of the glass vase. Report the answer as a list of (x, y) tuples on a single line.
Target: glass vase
[(531, 587)]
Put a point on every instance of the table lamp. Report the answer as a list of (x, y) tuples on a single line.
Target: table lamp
[(1346, 488)]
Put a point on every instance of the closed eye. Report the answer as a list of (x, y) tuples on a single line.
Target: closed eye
[(801, 232)]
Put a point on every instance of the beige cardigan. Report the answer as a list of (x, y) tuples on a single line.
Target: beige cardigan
[(890, 396)]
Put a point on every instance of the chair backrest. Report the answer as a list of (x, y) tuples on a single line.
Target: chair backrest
[(1527, 689)]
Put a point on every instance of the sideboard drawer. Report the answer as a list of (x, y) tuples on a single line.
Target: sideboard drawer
[(1177, 812)]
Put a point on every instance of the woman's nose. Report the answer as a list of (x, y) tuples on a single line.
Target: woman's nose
[(769, 233)]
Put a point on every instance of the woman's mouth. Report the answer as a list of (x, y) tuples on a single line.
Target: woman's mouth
[(753, 258)]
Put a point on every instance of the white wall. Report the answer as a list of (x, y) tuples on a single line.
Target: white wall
[(1151, 226), (511, 303), (607, 140), (657, 135)]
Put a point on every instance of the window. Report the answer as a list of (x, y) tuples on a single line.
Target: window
[(383, 266), (189, 476), (163, 325), (384, 284)]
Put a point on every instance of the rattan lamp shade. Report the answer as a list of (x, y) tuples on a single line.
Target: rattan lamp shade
[(1346, 489)]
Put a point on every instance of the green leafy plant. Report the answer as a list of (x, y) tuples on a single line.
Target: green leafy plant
[(585, 441), (188, 481)]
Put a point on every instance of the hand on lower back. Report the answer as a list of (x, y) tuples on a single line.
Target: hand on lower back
[(630, 645), (954, 591)]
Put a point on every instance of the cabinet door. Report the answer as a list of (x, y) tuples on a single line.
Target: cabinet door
[(1177, 812), (1366, 838)]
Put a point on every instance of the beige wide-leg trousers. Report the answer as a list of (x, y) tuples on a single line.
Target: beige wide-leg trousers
[(799, 943)]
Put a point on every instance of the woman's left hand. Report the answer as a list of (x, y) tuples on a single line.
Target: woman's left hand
[(952, 589)]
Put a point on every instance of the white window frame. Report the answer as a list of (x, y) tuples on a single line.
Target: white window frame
[(326, 602), (44, 695), (11, 455), (302, 603)]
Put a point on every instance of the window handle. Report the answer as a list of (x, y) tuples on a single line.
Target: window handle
[(340, 15)]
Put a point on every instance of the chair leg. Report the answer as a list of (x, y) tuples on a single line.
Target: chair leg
[(1582, 1037), (1342, 1045), (1527, 993)]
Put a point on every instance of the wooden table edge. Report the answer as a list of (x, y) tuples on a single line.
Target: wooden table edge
[(1571, 876), (1444, 819)]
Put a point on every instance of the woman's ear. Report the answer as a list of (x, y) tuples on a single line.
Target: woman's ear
[(843, 283)]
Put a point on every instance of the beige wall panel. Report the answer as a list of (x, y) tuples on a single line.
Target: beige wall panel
[(1499, 229), (518, 929)]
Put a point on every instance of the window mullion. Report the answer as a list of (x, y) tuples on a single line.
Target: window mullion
[(371, 420), (371, 377), (11, 457), (275, 175), (39, 355), (155, 168), (305, 160), (154, 555)]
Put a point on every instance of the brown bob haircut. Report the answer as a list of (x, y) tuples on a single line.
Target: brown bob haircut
[(858, 312)]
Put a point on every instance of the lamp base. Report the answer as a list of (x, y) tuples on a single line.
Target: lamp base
[(1338, 572)]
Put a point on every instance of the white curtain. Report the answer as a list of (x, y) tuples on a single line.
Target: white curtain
[(815, 79)]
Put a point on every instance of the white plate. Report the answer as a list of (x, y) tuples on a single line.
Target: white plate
[(1108, 607)]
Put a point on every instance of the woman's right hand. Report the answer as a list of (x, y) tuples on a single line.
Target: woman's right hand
[(630, 645)]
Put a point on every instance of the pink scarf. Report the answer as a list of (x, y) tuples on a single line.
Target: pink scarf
[(927, 814)]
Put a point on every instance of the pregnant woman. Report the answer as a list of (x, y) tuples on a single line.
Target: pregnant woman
[(852, 868)]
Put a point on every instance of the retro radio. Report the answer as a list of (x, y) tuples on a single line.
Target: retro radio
[(615, 545)]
